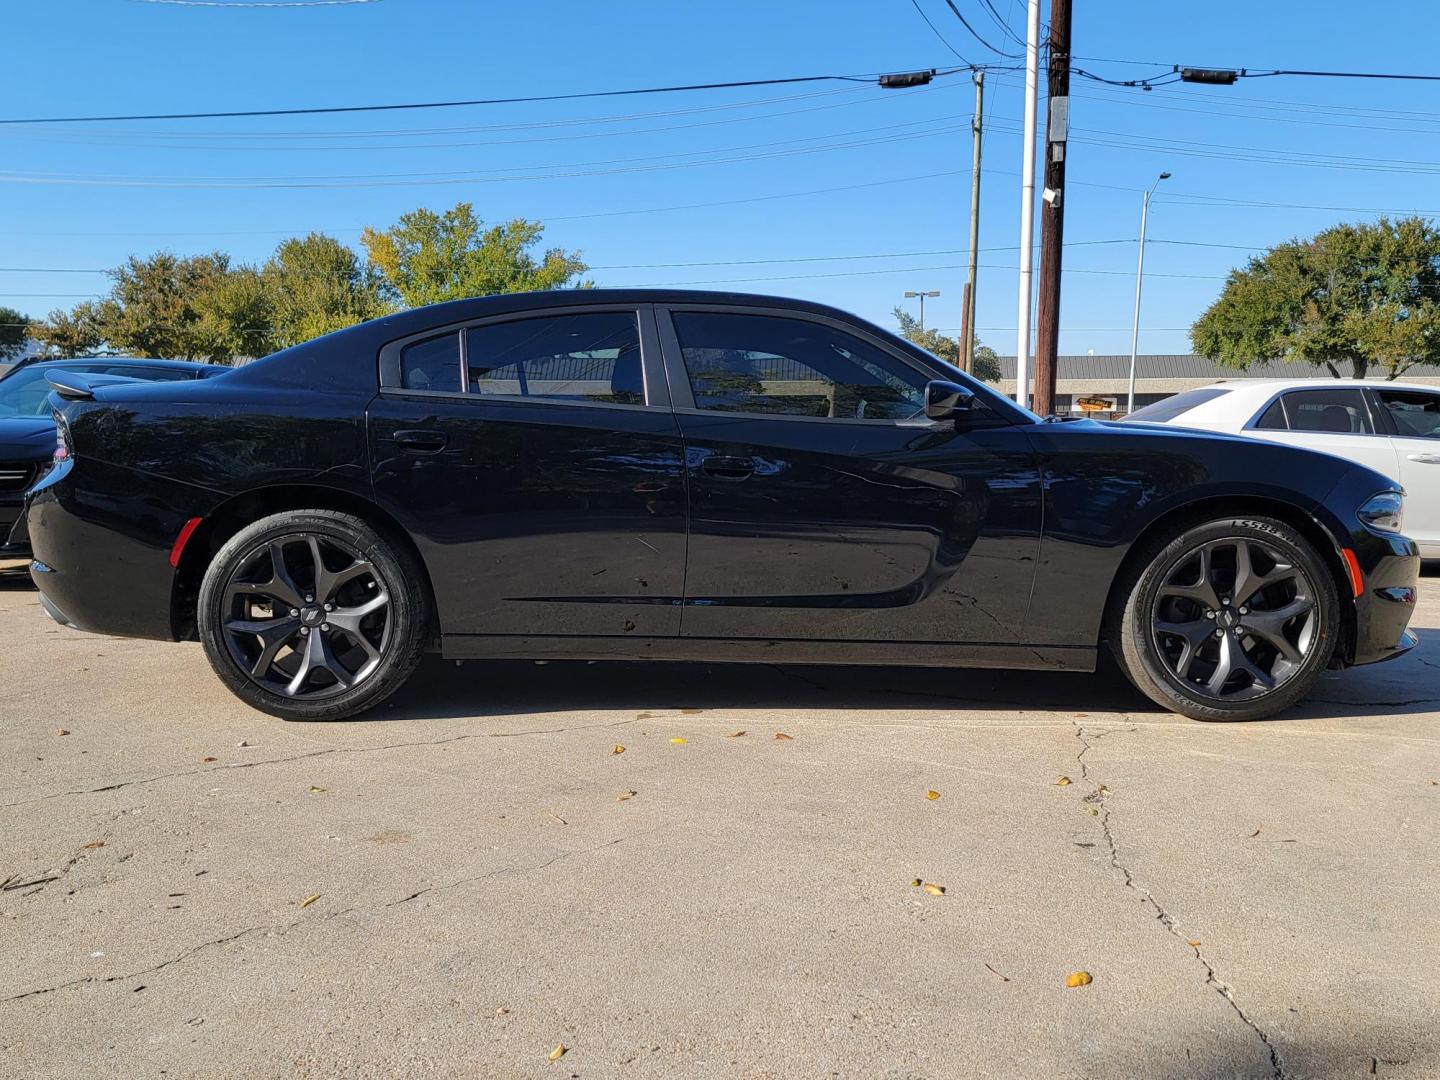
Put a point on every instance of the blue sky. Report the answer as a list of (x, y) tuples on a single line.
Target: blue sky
[(900, 159)]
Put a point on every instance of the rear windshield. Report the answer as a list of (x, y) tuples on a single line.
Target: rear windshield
[(1175, 406)]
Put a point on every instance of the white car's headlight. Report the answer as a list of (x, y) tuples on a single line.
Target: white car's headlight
[(1384, 512)]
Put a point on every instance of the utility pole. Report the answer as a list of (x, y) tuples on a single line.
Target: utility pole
[(1052, 209), (967, 319), (922, 296), (1027, 206)]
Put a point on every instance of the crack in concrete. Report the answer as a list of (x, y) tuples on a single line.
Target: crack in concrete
[(1212, 979), (134, 974), (140, 781), (285, 928), (561, 857)]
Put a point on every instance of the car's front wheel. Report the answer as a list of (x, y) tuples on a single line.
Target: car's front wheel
[(313, 615), (1232, 619)]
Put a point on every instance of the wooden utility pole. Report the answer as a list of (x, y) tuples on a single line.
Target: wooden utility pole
[(1052, 210), (967, 320)]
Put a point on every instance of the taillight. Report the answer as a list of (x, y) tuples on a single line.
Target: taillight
[(62, 441)]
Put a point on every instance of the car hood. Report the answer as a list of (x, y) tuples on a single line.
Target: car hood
[(26, 438)]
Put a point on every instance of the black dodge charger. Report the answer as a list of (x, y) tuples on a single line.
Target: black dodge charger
[(669, 475)]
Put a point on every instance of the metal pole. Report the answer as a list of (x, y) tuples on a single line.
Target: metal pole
[(967, 339), (922, 313), (1027, 206), (1139, 278)]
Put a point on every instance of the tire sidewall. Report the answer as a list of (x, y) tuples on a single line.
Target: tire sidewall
[(407, 608), (1142, 657)]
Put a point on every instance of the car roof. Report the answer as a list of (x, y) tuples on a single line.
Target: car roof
[(1270, 386)]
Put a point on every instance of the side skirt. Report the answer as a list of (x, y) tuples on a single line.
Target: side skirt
[(768, 651)]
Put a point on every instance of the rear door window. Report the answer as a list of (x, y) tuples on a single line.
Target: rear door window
[(1340, 411), (432, 364), (583, 357)]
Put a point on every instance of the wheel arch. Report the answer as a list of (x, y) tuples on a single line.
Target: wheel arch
[(240, 510), (1166, 526)]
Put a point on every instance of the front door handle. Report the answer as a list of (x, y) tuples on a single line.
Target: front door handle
[(421, 442), (729, 468), (1426, 459)]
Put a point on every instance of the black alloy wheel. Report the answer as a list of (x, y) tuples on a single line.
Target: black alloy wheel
[(1232, 619), (312, 615)]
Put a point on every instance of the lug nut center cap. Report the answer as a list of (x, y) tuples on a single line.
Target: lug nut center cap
[(311, 616)]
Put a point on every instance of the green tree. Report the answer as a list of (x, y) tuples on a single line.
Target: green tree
[(428, 257), (1353, 295), (316, 284), (70, 333), (14, 332), (169, 306), (987, 363)]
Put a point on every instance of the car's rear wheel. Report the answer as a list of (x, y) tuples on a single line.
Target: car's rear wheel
[(1232, 619), (313, 615)]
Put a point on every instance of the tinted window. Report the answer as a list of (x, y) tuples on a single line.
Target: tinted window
[(589, 357), (790, 367), (1415, 415), (1273, 418), (1172, 407), (149, 374), (432, 364), (1341, 411)]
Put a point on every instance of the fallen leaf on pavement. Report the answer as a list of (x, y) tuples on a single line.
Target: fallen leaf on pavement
[(1193, 944), (558, 1052), (501, 1011), (735, 734), (309, 900), (1256, 833), (678, 741), (932, 795), (62, 731), (618, 749), (916, 883), (933, 889), (92, 845), (1092, 811), (1102, 789), (209, 759), (782, 735), (316, 790), (1078, 978), (626, 795), (242, 742), (1062, 781)]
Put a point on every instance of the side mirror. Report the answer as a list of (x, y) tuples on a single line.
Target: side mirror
[(943, 400)]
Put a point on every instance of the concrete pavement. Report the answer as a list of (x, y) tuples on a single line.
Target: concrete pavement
[(1252, 900)]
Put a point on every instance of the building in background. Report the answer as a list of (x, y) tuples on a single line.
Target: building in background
[(1098, 385)]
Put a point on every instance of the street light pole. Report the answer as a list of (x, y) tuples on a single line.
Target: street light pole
[(1027, 206), (922, 296), (1139, 280)]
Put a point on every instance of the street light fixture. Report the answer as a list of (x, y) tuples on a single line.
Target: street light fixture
[(1139, 278), (922, 296)]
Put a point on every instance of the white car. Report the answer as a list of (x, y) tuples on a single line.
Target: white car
[(1392, 427)]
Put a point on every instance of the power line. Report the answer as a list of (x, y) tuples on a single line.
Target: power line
[(335, 109), (936, 31), (966, 23), (1003, 24)]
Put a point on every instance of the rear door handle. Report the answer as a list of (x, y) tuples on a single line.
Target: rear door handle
[(421, 442), (729, 468), (1426, 459)]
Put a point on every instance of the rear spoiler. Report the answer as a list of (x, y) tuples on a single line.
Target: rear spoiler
[(77, 386)]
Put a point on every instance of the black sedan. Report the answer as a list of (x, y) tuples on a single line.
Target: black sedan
[(694, 476), (27, 433)]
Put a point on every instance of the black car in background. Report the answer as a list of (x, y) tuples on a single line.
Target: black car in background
[(27, 430), (671, 475)]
